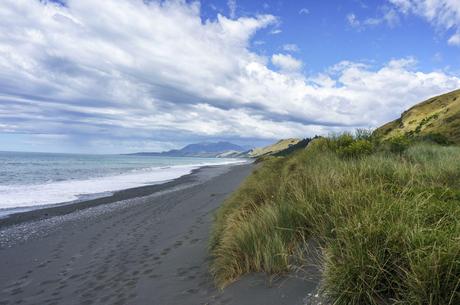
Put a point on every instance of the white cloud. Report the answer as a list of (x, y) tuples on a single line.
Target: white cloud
[(454, 40), (232, 8), (156, 72), (387, 16), (437, 57), (291, 47), (304, 11), (286, 62), (352, 20), (443, 14)]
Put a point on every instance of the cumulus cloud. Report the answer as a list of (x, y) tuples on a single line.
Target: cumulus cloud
[(155, 72), (441, 13), (286, 63)]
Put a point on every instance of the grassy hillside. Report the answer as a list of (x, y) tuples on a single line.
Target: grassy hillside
[(272, 149), (386, 218), (439, 115), (293, 147)]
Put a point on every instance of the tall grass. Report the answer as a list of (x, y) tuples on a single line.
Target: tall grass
[(388, 223)]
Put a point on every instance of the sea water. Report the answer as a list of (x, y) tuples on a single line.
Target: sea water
[(31, 180)]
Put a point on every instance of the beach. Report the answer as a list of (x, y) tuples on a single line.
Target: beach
[(146, 245)]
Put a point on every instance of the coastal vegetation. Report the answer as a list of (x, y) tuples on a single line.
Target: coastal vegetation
[(437, 116), (384, 213), (275, 148)]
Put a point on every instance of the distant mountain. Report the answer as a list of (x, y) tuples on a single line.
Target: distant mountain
[(230, 150), (437, 117), (204, 149), (209, 147)]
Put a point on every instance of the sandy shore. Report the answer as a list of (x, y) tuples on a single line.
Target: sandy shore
[(140, 246)]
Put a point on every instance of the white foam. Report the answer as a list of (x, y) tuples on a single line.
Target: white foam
[(21, 196)]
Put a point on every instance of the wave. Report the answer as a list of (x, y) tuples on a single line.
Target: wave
[(35, 195)]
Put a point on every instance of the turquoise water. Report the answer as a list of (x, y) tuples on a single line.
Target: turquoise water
[(33, 179)]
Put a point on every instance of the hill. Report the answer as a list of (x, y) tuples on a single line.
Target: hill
[(273, 149), (438, 116), (233, 154), (204, 149), (302, 144)]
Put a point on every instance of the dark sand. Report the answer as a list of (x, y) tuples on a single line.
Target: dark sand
[(127, 249)]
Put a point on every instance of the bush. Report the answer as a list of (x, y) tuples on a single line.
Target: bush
[(436, 138), (343, 140), (356, 149), (364, 134), (320, 144), (398, 144), (347, 146)]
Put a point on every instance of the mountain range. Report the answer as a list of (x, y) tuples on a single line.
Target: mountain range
[(203, 149), (230, 150)]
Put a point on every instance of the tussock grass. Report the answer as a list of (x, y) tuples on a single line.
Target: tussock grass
[(388, 223)]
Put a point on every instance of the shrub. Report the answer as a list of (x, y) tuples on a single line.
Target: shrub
[(343, 140), (320, 144), (356, 149), (436, 138), (364, 134), (398, 144)]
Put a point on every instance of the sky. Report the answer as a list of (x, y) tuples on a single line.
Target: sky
[(130, 75)]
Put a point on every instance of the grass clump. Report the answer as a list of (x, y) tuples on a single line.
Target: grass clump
[(236, 242), (387, 220)]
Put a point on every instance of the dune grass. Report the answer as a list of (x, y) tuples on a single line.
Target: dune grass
[(387, 220)]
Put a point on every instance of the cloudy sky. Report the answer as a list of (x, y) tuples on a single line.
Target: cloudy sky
[(131, 75)]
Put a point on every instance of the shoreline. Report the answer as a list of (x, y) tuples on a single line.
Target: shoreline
[(58, 209), (140, 250), (52, 181)]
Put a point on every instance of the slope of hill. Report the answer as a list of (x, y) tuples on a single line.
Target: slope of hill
[(302, 144), (273, 149), (204, 149), (233, 154), (439, 115)]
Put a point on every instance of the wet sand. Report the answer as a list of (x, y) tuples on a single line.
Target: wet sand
[(141, 246)]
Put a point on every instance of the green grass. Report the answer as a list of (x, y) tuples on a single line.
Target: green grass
[(387, 220), (437, 118)]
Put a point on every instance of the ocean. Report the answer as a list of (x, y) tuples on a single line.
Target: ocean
[(31, 180)]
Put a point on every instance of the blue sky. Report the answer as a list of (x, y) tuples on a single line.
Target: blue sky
[(132, 75), (324, 35)]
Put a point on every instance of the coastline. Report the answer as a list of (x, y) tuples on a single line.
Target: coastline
[(146, 245), (31, 181), (51, 210)]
